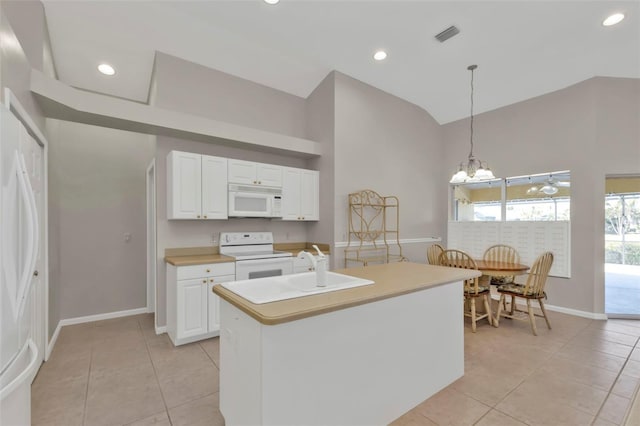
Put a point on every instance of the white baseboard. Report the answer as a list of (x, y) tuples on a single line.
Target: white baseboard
[(89, 318), (562, 310), (51, 342), (160, 330), (100, 317), (577, 313)]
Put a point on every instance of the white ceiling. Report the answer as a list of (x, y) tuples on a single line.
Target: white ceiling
[(523, 48)]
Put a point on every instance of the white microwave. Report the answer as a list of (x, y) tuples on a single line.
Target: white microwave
[(254, 201)]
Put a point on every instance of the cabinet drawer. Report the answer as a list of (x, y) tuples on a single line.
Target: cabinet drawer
[(206, 270)]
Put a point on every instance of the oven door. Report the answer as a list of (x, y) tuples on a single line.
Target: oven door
[(250, 204), (260, 268)]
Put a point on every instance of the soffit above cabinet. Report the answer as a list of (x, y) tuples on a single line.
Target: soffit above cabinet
[(67, 103)]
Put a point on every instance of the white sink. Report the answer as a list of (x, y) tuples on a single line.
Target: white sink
[(272, 289)]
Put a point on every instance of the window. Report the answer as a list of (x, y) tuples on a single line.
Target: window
[(478, 201), (539, 197)]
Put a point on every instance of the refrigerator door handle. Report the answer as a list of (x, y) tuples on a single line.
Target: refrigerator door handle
[(32, 234)]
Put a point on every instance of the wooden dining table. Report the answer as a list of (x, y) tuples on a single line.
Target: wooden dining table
[(501, 269)]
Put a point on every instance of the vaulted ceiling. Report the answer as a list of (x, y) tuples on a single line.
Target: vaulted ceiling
[(523, 48)]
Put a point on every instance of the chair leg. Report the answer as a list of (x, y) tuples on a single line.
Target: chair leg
[(487, 307), (513, 305), (544, 312), (532, 318), (473, 314), (496, 320)]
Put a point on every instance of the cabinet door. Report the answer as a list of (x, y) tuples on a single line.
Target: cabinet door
[(291, 184), (242, 172), (184, 178), (309, 195), (214, 302), (214, 187), (269, 174), (191, 309)]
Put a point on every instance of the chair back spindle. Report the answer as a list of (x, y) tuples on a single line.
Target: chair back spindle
[(433, 254), (538, 275), (460, 259)]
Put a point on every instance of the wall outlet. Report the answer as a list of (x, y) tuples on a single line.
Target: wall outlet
[(127, 237), (214, 239)]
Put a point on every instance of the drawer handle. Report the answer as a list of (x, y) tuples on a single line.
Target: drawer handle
[(204, 281), (205, 216), (211, 280), (208, 270), (259, 182), (198, 216)]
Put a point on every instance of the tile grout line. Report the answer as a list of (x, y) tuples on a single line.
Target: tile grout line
[(86, 395), (525, 378), (616, 381), (155, 374)]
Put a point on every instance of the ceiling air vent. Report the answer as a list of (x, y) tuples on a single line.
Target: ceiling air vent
[(447, 34)]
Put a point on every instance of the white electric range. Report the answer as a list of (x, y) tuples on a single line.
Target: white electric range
[(254, 255)]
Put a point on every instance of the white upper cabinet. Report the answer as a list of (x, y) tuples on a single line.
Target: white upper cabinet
[(300, 194), (196, 186), (184, 185), (250, 173), (214, 187)]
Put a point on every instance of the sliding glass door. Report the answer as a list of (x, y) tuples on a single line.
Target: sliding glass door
[(622, 248)]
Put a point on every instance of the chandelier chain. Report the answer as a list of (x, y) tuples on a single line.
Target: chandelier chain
[(471, 124)]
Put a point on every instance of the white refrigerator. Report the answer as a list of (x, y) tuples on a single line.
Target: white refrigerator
[(19, 237)]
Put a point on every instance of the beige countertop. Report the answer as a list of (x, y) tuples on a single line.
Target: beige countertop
[(198, 259), (391, 280), (295, 248), (201, 255)]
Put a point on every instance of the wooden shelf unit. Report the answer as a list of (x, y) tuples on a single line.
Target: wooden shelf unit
[(373, 229)]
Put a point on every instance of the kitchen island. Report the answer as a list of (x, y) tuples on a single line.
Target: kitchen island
[(358, 356)]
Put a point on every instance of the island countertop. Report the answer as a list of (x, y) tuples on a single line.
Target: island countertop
[(391, 280)]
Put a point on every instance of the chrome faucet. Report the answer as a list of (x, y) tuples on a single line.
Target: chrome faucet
[(319, 265)]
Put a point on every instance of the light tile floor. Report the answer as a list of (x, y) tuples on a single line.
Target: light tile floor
[(118, 372)]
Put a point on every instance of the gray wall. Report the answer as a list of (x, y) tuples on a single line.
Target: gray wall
[(590, 128), (97, 180), (393, 147), (320, 120)]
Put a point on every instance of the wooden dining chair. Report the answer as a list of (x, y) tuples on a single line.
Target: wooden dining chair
[(533, 289), (472, 288), (433, 254), (502, 253)]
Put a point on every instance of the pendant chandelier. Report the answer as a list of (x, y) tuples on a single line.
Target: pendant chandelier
[(473, 170)]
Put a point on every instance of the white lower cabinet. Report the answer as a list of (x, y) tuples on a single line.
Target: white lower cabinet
[(193, 311)]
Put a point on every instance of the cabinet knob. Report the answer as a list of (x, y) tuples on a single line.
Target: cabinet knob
[(205, 216), (204, 281), (211, 280), (198, 216), (208, 270), (302, 217), (255, 181), (259, 182)]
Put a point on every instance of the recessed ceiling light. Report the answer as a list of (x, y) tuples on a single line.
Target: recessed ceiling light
[(613, 19), (380, 55), (106, 69), (271, 1)]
